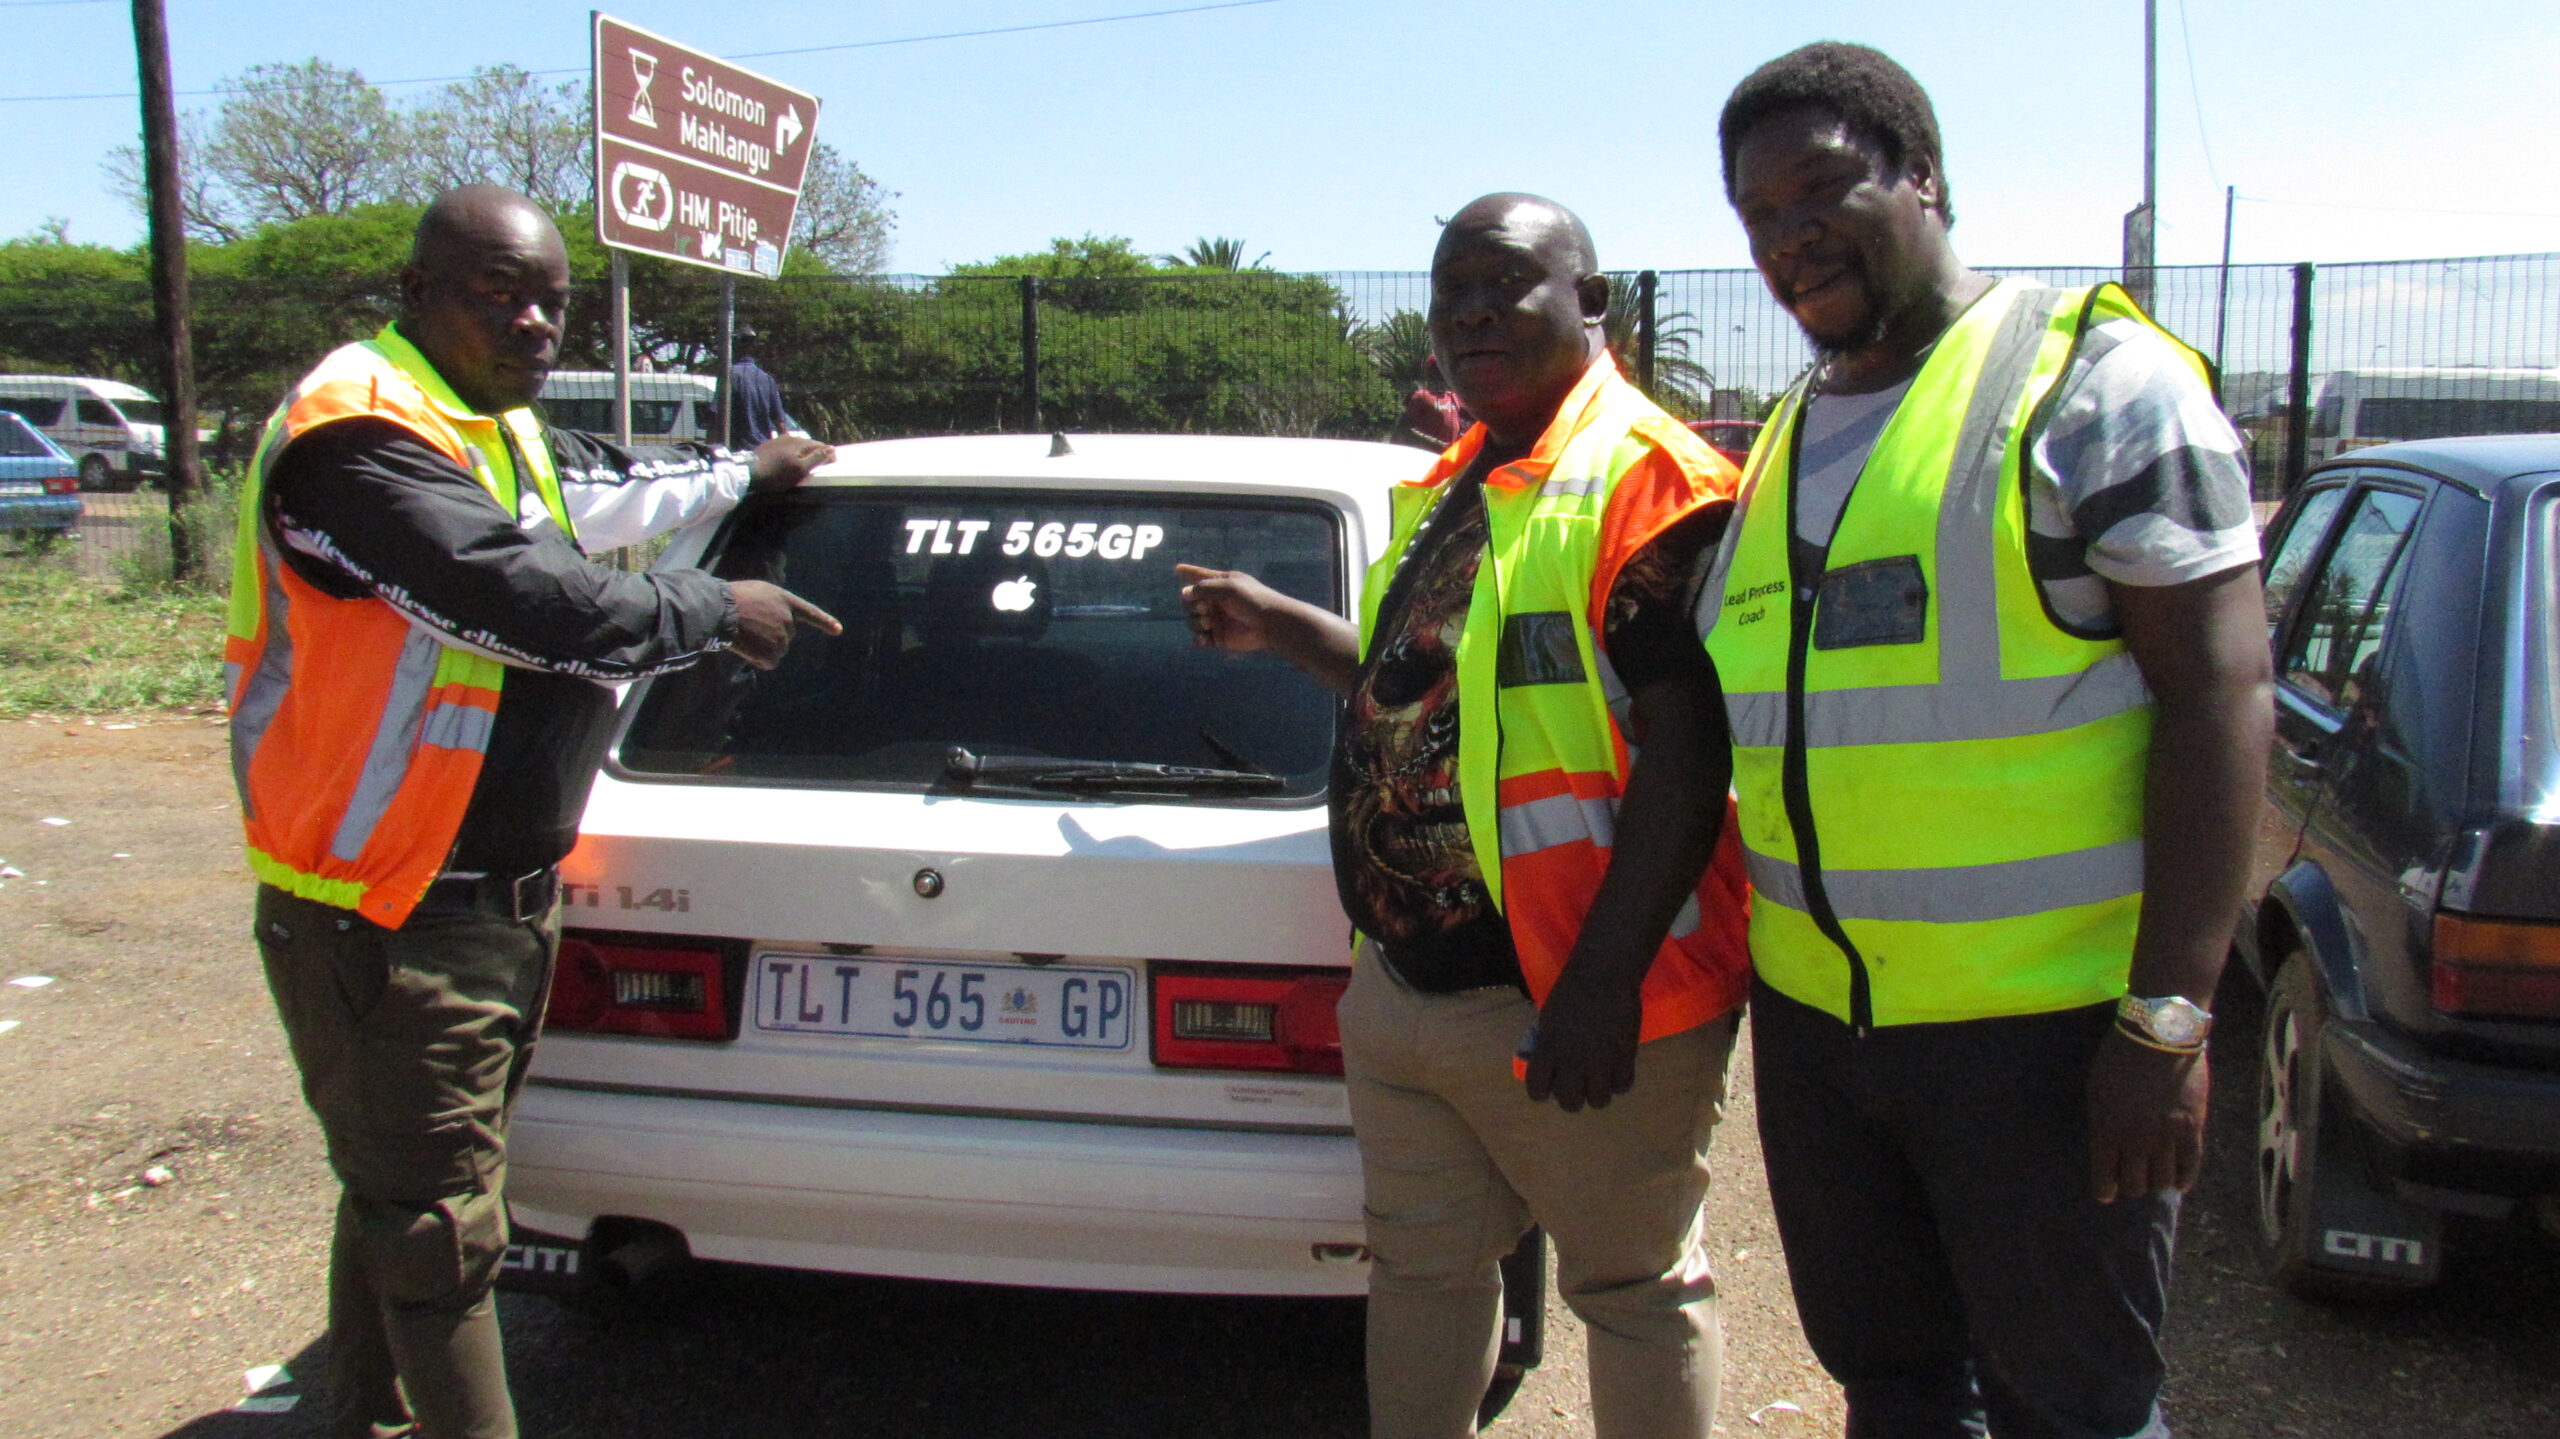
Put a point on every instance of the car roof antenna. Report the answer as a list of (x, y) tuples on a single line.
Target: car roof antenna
[(1058, 444)]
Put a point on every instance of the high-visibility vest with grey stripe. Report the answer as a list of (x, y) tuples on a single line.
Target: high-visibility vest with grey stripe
[(1939, 787), (1542, 757), (356, 737)]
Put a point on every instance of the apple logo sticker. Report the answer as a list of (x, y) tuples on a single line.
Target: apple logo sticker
[(1013, 596)]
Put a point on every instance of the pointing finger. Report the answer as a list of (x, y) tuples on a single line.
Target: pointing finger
[(812, 616)]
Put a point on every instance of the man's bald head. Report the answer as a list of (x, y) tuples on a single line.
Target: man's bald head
[(1524, 210), (465, 221), (1516, 303), (485, 294)]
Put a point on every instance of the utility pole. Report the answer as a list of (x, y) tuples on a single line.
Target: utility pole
[(169, 282), (2140, 226), (2222, 303), (2150, 108), (728, 355)]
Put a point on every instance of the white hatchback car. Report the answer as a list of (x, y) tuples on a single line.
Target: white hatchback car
[(995, 939)]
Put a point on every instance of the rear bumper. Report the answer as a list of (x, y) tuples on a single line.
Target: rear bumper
[(2449, 1123), (1002, 1201), (39, 512)]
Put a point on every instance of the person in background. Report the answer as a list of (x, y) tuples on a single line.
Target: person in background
[(1538, 914), (1994, 669), (1433, 418), (418, 657), (754, 399)]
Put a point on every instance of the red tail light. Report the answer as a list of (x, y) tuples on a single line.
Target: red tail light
[(2485, 967), (1218, 1017), (619, 986), (62, 484)]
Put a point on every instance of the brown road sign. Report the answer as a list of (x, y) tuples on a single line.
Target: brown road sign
[(696, 159)]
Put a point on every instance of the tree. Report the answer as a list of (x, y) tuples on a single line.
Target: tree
[(1129, 342), (502, 127), (1219, 253), (1092, 275), (844, 218), (1681, 384), (307, 139), (1397, 345), (75, 309), (210, 216)]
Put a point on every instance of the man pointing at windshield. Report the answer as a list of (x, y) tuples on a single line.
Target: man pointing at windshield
[(417, 649), (1523, 631)]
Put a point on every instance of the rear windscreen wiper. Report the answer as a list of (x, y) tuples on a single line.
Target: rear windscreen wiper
[(965, 767)]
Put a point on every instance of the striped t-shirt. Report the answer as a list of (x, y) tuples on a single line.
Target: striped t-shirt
[(2138, 478)]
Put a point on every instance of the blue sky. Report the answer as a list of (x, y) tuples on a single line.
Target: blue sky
[(1331, 132)]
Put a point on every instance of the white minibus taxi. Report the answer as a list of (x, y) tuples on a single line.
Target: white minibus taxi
[(665, 405), (2352, 409), (109, 428)]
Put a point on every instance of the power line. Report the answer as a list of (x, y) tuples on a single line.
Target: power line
[(40, 4), (1003, 30), (2195, 93), (744, 55)]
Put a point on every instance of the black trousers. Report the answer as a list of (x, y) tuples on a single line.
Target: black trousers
[(1932, 1192)]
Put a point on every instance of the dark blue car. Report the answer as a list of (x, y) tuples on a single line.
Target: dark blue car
[(2404, 914), (39, 485)]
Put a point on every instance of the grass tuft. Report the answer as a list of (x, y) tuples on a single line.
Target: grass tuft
[(70, 644)]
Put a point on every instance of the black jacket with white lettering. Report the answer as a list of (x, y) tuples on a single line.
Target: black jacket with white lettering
[(363, 507)]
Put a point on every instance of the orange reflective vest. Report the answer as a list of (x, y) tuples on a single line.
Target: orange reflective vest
[(356, 736), (1543, 753)]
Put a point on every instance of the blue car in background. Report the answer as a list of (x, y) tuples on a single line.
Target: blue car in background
[(39, 484)]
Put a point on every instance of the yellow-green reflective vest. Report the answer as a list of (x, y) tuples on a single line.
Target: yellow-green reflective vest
[(356, 737), (1939, 788), (1542, 759)]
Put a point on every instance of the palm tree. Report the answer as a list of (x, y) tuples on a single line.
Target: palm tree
[(1397, 345), (1681, 383), (1218, 253)]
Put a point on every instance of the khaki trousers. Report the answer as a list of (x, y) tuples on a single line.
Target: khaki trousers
[(412, 1043), (1458, 1163)]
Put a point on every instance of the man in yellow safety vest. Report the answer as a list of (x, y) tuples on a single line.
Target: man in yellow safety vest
[(1524, 884), (1988, 632)]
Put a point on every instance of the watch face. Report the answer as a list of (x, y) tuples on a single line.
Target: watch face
[(2176, 1021)]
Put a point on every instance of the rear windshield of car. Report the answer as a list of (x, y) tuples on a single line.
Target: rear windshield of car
[(1034, 623), (2540, 742), (17, 441)]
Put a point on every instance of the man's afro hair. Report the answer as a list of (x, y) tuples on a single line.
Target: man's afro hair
[(1876, 97)]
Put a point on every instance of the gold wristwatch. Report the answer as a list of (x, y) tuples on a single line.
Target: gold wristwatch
[(2177, 1024)]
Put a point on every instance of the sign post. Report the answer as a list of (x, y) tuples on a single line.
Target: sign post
[(697, 161)]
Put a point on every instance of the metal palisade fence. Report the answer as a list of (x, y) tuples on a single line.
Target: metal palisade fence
[(2459, 345)]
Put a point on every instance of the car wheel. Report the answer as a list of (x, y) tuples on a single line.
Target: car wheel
[(94, 473), (2298, 1134)]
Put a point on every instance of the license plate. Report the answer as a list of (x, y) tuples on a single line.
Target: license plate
[(935, 999)]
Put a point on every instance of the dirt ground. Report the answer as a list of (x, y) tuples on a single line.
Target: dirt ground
[(129, 1308)]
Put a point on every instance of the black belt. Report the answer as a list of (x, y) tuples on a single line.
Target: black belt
[(519, 898)]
